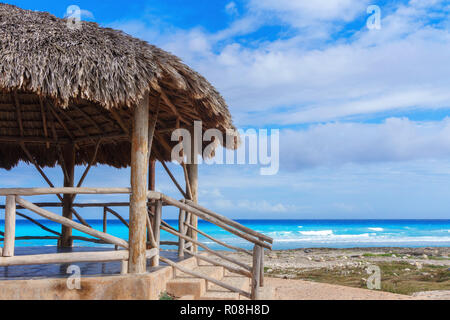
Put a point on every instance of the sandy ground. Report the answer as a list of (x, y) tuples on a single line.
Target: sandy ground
[(286, 285), (305, 290)]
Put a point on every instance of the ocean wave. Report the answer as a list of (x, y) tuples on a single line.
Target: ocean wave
[(365, 240), (376, 229), (317, 233)]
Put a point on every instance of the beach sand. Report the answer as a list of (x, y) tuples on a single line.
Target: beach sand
[(341, 274)]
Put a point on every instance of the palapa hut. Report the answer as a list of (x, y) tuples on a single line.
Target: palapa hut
[(92, 95)]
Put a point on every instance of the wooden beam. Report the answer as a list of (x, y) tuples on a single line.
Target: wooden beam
[(72, 224), (61, 122), (10, 227), (18, 113), (154, 262), (206, 248), (220, 264), (181, 229), (202, 276), (70, 119), (173, 108), (152, 129), (192, 173), (231, 222), (215, 221), (37, 140), (163, 142), (44, 120), (78, 205), (38, 168), (105, 220), (89, 119), (118, 216), (158, 155), (256, 272), (139, 188), (38, 224), (151, 236), (71, 257), (69, 161), (52, 190), (117, 117), (187, 181), (86, 171), (217, 241), (261, 276)]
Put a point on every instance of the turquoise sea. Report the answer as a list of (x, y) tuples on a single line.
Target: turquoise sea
[(288, 234)]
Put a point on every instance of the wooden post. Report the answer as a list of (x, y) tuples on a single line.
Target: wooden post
[(139, 188), (261, 279), (124, 267), (256, 273), (192, 171), (157, 232), (152, 175), (181, 229), (69, 168), (151, 187), (10, 226), (105, 219)]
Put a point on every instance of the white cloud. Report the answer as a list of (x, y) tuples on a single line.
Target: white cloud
[(394, 140), (295, 80), (231, 9), (261, 206), (301, 12)]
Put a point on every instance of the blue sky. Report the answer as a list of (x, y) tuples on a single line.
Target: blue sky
[(363, 114)]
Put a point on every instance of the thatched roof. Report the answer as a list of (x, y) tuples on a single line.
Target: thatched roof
[(61, 85)]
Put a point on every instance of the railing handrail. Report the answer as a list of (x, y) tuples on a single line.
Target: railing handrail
[(225, 224), (189, 206), (65, 190), (231, 222)]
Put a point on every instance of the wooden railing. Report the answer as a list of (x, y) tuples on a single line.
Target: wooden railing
[(186, 243), (260, 242)]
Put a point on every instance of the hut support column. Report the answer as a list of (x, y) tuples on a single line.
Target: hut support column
[(69, 168), (139, 188), (192, 171), (151, 187)]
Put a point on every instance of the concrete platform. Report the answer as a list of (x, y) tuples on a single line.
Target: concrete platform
[(98, 281), (60, 270)]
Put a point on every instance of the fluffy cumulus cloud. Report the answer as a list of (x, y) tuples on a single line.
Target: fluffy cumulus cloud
[(318, 68), (394, 140), (307, 13)]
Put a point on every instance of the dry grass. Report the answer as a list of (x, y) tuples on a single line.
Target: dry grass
[(397, 277)]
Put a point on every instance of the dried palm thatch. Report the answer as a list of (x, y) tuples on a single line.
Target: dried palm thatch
[(60, 85)]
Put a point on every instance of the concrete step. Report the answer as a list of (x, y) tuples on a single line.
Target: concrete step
[(185, 284), (187, 297), (242, 283), (216, 292), (209, 271)]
